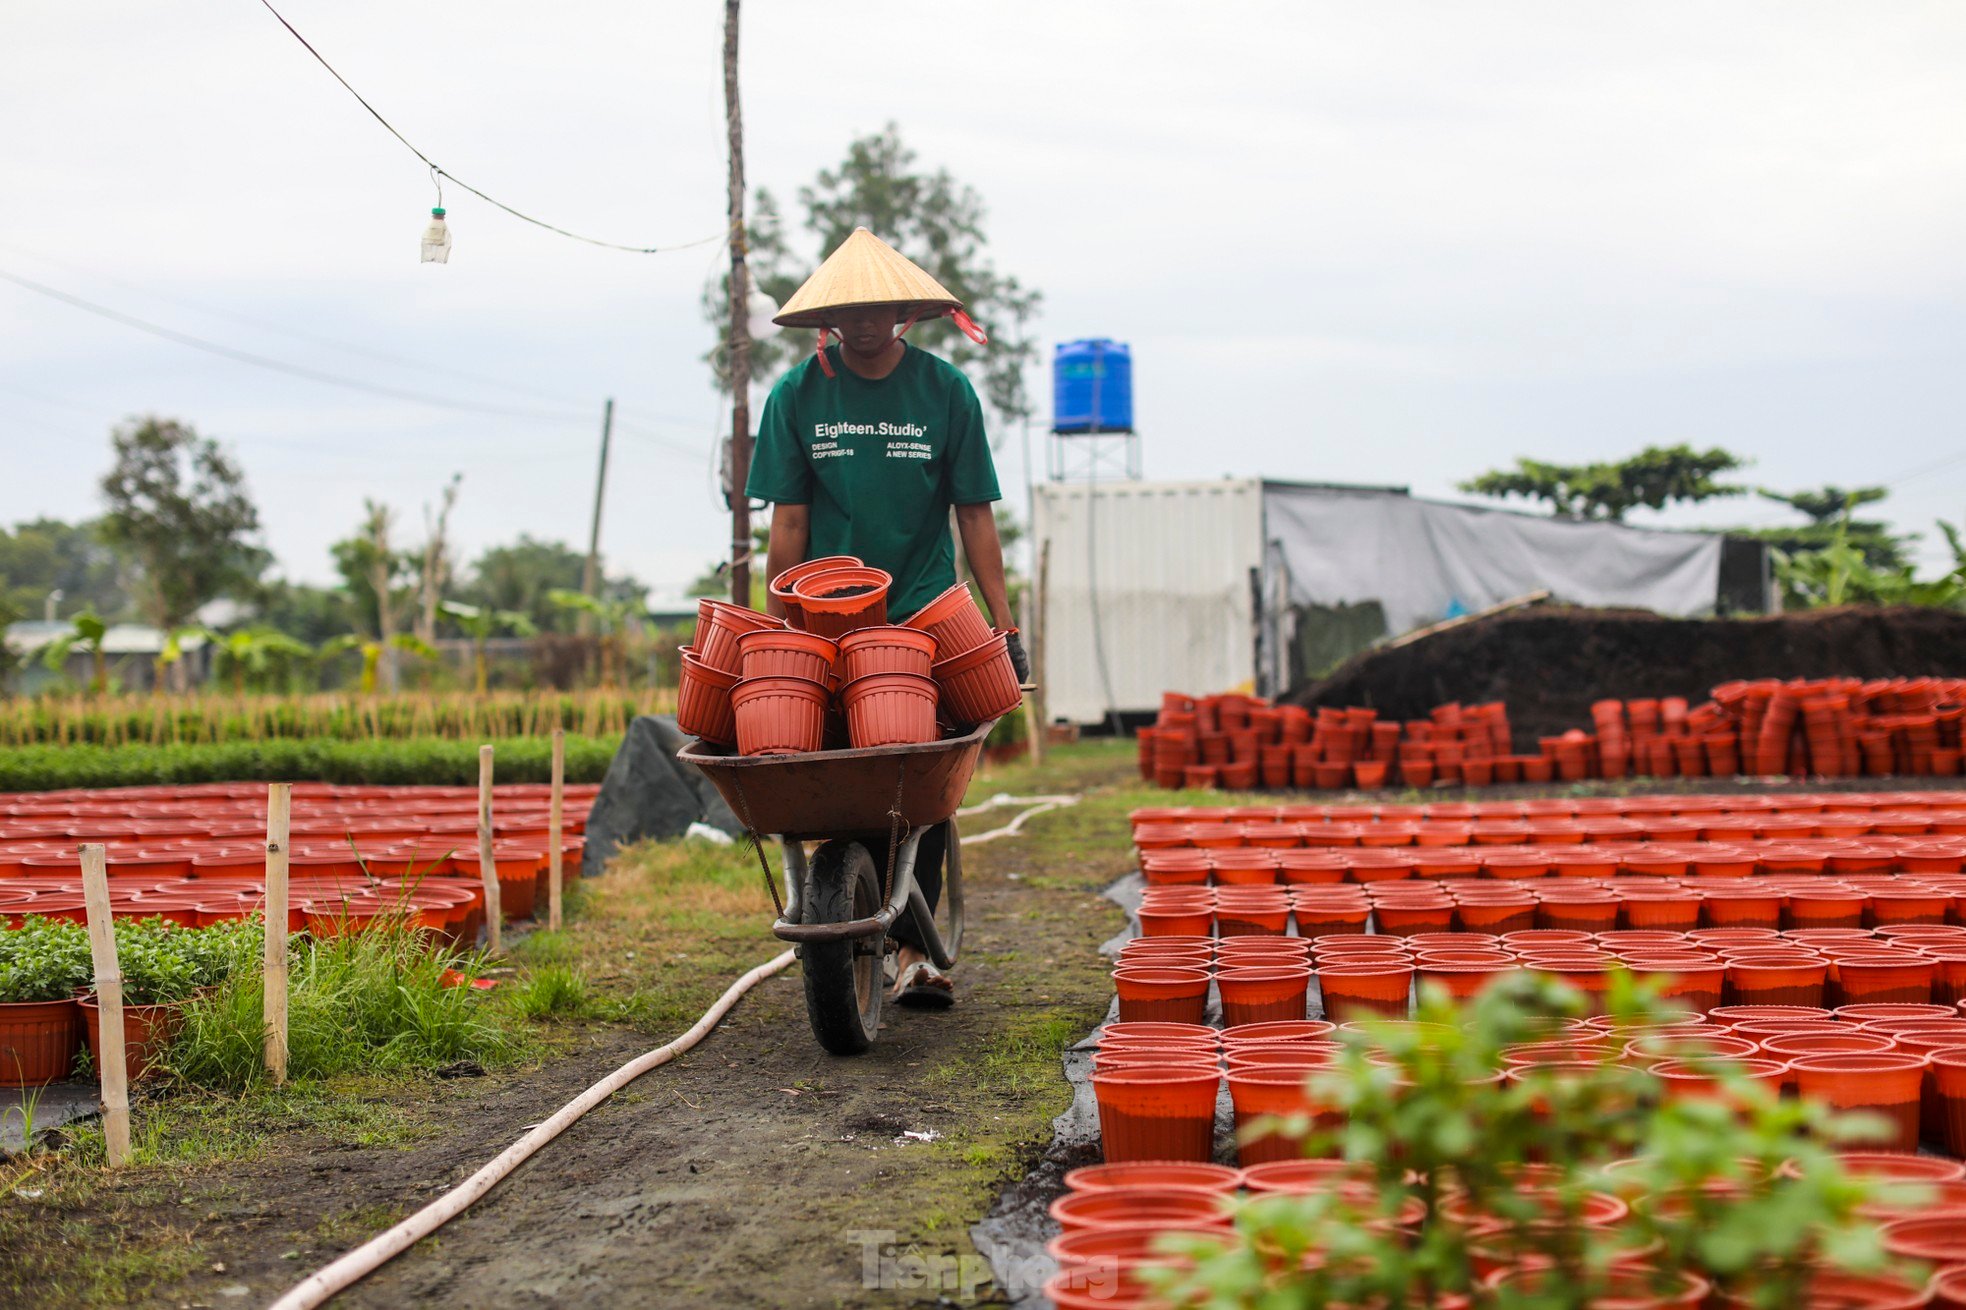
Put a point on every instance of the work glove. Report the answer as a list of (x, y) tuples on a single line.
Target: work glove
[(1018, 659)]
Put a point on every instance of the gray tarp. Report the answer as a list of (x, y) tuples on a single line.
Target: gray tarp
[(1424, 561), (1344, 567), (649, 793)]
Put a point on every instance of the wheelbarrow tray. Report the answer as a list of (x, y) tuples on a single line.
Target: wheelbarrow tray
[(819, 794)]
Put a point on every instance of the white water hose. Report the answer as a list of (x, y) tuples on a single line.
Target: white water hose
[(323, 1283)]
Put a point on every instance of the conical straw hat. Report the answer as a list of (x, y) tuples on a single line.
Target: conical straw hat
[(866, 270)]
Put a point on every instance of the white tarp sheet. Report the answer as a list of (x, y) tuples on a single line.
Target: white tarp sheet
[(1424, 561)]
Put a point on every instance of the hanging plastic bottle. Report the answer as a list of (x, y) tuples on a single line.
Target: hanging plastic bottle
[(437, 239)]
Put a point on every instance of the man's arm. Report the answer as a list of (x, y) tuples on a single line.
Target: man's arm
[(978, 526), (791, 529)]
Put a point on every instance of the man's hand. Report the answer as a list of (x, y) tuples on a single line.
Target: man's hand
[(1018, 659)]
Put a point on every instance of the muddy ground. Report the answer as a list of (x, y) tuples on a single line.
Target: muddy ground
[(1551, 662), (744, 1174)]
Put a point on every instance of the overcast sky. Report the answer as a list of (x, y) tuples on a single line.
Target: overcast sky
[(1392, 242)]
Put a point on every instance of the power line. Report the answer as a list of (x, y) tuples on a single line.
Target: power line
[(440, 172), (271, 325), (281, 366)]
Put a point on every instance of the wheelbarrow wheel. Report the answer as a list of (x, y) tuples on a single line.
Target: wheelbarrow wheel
[(843, 979)]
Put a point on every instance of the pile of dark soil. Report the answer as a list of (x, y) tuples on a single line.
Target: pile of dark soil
[(1550, 663)]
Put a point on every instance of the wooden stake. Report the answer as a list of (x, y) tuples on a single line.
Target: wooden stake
[(487, 867), (279, 821), (554, 815), (109, 1005)]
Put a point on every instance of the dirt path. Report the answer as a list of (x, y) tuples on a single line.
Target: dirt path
[(745, 1173)]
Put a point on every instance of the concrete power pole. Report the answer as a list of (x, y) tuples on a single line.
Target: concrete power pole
[(738, 342)]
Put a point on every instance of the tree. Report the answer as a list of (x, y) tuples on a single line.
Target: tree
[(612, 618), (1825, 503), (1654, 478), (86, 635), (377, 576), (44, 556), (479, 625), (434, 570), (178, 508), (521, 576), (1827, 509), (929, 217), (303, 611)]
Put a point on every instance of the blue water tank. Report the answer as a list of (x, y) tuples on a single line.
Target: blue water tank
[(1092, 386)]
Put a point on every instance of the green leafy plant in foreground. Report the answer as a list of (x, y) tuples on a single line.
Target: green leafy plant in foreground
[(1743, 1189), (44, 960)]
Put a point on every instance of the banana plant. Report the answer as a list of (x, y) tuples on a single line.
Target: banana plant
[(254, 654), (611, 617), (86, 636), (372, 649), (479, 624)]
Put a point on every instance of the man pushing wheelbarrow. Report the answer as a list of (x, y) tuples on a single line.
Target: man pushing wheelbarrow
[(864, 449)]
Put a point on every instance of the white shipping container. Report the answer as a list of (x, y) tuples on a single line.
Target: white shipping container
[(1149, 587)]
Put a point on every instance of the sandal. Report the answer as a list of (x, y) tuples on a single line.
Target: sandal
[(922, 986)]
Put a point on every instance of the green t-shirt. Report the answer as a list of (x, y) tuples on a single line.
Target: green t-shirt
[(880, 462)]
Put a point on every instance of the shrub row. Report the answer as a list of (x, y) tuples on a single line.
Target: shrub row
[(428, 761)]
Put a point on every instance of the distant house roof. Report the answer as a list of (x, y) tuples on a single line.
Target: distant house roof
[(31, 635)]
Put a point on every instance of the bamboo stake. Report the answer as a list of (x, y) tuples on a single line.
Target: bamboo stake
[(109, 1005), (279, 819), (487, 867), (555, 811)]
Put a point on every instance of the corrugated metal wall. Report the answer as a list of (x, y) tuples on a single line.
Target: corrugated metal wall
[(1174, 564)]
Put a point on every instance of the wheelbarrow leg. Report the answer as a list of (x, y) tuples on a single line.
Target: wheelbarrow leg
[(942, 954)]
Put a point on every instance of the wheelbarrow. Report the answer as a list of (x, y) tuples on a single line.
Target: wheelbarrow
[(868, 810)]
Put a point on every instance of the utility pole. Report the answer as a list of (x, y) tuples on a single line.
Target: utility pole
[(590, 572), (738, 343)]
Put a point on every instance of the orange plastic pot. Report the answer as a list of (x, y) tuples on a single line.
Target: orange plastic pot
[(889, 709), (1258, 1093), (1263, 994), (1218, 1178), (886, 650), (1896, 979), (1463, 981), (1883, 1084), (1949, 1087), (1931, 1239), (786, 653), (1625, 1288), (147, 1031), (38, 1041), (703, 702), (718, 628), (1794, 979), (953, 619), (1148, 1115), (1156, 1031), (980, 683), (1365, 990), (781, 586), (1161, 994), (840, 600), (779, 716)]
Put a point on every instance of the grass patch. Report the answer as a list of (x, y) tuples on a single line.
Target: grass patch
[(663, 934), (374, 1000), (426, 760)]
